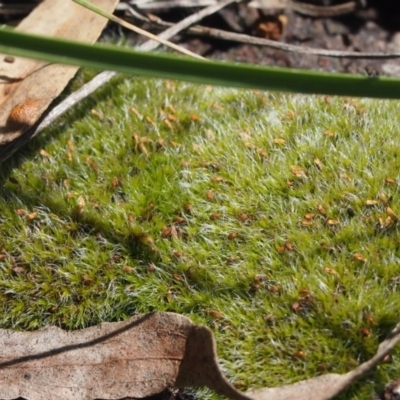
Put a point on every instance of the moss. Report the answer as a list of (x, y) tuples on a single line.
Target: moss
[(271, 218)]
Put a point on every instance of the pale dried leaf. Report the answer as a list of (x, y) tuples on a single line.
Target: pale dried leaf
[(298, 171), (267, 4), (29, 86), (319, 164), (138, 357), (279, 141)]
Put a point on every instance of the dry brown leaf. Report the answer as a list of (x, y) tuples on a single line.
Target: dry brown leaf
[(97, 114), (331, 271), (81, 202), (369, 318), (29, 86), (328, 133), (365, 332), (168, 123), (321, 209), (289, 246), (32, 216), (249, 145), (298, 171), (332, 222), (19, 270), (44, 153), (215, 216), (306, 222), (359, 257), (391, 214), (194, 118), (345, 177), (300, 354), (20, 211), (166, 232), (134, 111), (137, 358), (281, 249), (274, 288), (383, 197), (319, 164), (210, 135), (151, 122), (210, 195), (179, 220), (217, 179), (383, 224), (279, 141), (261, 152), (270, 29)]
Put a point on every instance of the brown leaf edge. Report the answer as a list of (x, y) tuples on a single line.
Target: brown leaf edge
[(28, 87), (137, 358), (327, 386)]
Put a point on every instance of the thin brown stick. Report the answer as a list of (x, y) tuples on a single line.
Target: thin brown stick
[(168, 4), (190, 20), (105, 76), (306, 8), (322, 11), (241, 38), (135, 28)]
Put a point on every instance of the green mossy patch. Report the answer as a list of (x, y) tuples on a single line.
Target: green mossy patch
[(271, 218)]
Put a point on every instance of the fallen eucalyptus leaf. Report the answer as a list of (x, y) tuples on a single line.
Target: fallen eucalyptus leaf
[(137, 358), (29, 86)]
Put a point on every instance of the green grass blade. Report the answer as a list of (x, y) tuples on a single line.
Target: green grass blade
[(105, 57)]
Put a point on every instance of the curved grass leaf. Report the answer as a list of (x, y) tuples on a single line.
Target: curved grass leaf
[(106, 57)]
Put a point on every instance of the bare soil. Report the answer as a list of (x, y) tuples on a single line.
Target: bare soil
[(375, 28)]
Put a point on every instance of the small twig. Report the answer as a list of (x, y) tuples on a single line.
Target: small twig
[(105, 76), (322, 11), (295, 5), (241, 38), (185, 23), (306, 8), (136, 29), (167, 4)]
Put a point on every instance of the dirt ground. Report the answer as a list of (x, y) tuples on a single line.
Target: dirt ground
[(374, 28)]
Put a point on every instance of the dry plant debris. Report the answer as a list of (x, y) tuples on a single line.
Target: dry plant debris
[(29, 86), (140, 357)]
